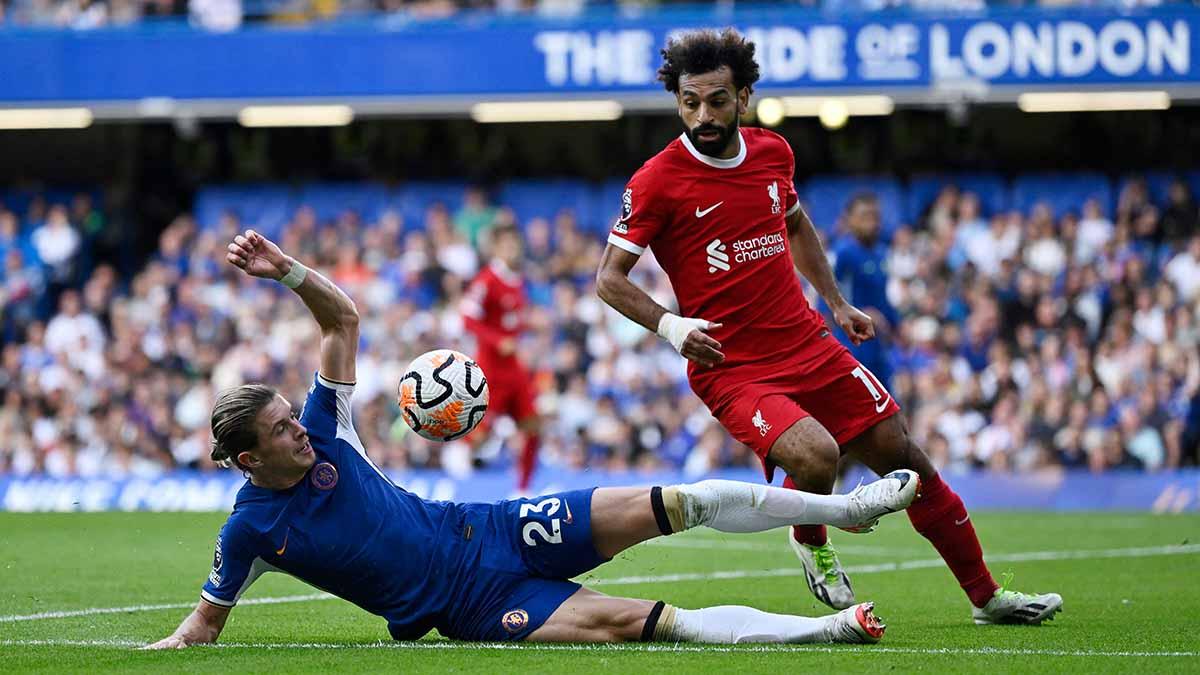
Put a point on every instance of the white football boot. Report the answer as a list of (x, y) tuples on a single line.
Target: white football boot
[(894, 492), (856, 625), (1013, 607)]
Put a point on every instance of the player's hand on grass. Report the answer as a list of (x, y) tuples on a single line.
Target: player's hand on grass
[(689, 338), (855, 322), (258, 256), (173, 642)]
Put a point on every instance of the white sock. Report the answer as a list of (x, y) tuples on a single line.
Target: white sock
[(733, 506), (731, 624)]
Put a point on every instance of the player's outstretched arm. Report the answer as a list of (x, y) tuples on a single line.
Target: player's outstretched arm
[(685, 334), (334, 311), (809, 257), (201, 627)]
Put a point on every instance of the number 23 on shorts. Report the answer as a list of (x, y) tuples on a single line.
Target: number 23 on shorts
[(545, 509)]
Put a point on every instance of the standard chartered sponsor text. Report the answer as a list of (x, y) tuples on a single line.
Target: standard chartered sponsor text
[(756, 248)]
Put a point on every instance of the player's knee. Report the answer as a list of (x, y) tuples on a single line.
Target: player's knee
[(816, 456), (824, 453)]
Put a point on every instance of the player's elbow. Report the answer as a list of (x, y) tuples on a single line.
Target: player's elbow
[(347, 317), (608, 281), (343, 322), (350, 316)]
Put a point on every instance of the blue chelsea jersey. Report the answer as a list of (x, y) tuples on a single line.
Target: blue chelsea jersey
[(347, 529)]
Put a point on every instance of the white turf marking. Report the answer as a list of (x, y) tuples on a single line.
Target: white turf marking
[(1139, 552), (150, 608), (711, 544), (437, 645)]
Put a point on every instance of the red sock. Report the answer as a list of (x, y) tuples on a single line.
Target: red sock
[(527, 461), (813, 535), (940, 517)]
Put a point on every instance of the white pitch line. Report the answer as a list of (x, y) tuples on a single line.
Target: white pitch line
[(66, 614), (1138, 552), (446, 645), (721, 544)]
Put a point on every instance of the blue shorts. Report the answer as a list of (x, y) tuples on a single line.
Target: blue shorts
[(531, 548)]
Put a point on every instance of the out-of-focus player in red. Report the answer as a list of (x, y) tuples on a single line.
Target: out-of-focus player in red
[(493, 309), (720, 212)]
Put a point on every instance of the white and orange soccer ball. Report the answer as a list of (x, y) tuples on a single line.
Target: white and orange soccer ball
[(443, 395)]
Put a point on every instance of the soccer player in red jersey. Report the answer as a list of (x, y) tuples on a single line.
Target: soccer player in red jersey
[(720, 212), (493, 309)]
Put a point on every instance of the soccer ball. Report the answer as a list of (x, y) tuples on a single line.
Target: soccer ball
[(443, 395)]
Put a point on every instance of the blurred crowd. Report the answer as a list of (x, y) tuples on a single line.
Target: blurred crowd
[(230, 14), (1029, 342), (1025, 342)]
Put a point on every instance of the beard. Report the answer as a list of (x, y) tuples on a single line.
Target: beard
[(713, 148)]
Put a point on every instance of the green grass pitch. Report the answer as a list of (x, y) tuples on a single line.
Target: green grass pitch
[(1130, 582)]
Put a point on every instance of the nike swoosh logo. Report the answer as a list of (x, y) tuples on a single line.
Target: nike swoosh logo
[(284, 547), (705, 212), (879, 408), (569, 516), (960, 522)]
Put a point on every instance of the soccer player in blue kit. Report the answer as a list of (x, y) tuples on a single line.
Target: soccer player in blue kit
[(316, 507)]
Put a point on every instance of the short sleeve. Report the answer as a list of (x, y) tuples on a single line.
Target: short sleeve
[(641, 220), (473, 299), (236, 565), (327, 407)]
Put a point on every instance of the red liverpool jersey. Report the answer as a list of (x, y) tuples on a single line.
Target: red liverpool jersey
[(717, 227), (493, 309)]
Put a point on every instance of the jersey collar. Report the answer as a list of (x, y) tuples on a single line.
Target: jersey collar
[(731, 163), (508, 276)]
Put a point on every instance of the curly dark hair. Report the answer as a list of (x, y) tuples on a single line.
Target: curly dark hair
[(704, 51)]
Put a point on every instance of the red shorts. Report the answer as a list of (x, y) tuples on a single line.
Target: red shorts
[(847, 400), (510, 390)]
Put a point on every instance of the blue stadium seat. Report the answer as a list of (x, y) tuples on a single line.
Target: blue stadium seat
[(330, 200), (923, 189), (18, 200), (825, 197), (545, 198), (607, 206), (265, 206), (1064, 192), (1157, 181), (413, 198)]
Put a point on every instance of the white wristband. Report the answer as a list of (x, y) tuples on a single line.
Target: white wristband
[(675, 329), (295, 276)]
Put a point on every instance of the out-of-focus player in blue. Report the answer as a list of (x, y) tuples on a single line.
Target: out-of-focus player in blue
[(315, 506), (860, 267)]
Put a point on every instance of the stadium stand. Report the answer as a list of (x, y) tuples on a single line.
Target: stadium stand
[(1047, 322)]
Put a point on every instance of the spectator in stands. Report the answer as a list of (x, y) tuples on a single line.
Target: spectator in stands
[(1181, 219), (1044, 252), (1047, 358), (22, 288), (1184, 271), (1093, 234), (475, 217), (57, 242), (81, 14)]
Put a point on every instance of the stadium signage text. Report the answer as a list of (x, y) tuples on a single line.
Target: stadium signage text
[(998, 51), (602, 55)]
